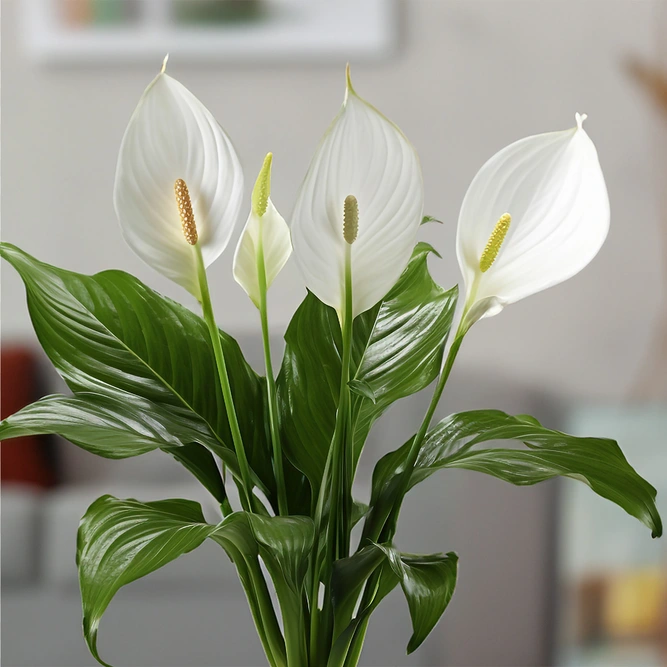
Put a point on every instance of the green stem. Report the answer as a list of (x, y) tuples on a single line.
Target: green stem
[(264, 614), (343, 425), (316, 564), (335, 538), (245, 490), (283, 509), (357, 644), (337, 534), (385, 532), (404, 482)]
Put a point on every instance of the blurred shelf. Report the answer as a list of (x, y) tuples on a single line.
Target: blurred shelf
[(138, 30)]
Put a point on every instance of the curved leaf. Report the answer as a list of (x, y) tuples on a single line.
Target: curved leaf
[(347, 580), (350, 640), (397, 351), (120, 541), (117, 429), (235, 536), (285, 544), (108, 426), (428, 583), (200, 462), (109, 334), (599, 462)]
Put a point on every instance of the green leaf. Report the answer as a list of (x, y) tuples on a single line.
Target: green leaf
[(108, 426), (102, 425), (359, 511), (308, 386), (397, 351), (599, 462), (201, 463), (344, 643), (348, 578), (429, 218), (235, 536), (403, 352), (116, 429), (120, 541), (428, 583), (109, 334), (285, 544)]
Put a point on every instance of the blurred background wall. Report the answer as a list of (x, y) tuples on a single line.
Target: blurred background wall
[(466, 78)]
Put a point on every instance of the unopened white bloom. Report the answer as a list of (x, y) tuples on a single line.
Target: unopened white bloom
[(365, 156), (264, 246), (172, 137), (535, 215)]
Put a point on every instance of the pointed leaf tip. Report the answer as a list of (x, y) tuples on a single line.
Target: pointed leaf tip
[(163, 69), (348, 81)]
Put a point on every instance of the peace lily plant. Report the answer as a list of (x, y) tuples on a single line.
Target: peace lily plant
[(148, 374)]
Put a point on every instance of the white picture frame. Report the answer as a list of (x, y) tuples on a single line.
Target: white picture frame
[(290, 30)]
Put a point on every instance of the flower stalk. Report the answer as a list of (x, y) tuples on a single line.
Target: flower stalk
[(245, 490), (338, 485), (386, 529), (271, 384), (263, 249)]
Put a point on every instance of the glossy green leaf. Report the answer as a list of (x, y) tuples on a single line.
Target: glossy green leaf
[(116, 429), (428, 583), (108, 426), (120, 541), (201, 463), (397, 351), (353, 635), (599, 462), (236, 537), (403, 352), (285, 544), (287, 541), (347, 581), (109, 334)]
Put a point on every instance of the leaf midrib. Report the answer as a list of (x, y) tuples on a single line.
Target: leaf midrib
[(142, 362)]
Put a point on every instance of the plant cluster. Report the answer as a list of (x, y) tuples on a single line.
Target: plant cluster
[(147, 373)]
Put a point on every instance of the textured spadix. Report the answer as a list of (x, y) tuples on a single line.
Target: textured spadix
[(171, 135), (552, 188), (265, 239), (364, 155)]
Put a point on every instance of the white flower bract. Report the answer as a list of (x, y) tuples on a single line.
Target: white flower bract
[(271, 233), (365, 155), (171, 135), (553, 188)]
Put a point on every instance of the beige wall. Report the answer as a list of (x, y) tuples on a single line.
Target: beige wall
[(469, 77)]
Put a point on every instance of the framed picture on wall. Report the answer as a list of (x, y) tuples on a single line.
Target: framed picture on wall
[(115, 31)]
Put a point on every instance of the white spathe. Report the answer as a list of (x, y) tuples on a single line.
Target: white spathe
[(365, 155), (172, 135), (270, 233), (553, 188)]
